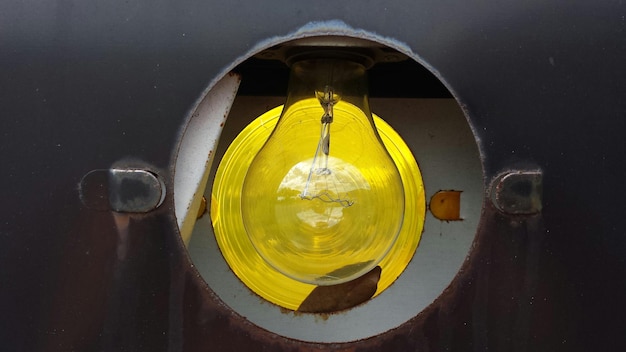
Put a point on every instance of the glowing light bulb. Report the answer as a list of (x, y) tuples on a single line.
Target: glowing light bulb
[(322, 201)]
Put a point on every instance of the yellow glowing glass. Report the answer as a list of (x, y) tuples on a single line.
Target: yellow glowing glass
[(322, 221), (323, 201), (240, 252)]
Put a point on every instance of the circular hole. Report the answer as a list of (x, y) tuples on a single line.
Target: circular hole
[(422, 122)]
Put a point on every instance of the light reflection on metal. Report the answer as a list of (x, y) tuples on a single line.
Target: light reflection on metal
[(122, 190), (518, 192)]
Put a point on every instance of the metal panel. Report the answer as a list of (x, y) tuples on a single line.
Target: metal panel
[(96, 85)]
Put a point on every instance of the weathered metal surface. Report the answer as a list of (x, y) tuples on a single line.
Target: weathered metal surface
[(541, 82), (122, 190), (518, 192)]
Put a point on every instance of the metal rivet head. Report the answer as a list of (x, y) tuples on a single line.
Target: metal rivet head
[(518, 192), (122, 190)]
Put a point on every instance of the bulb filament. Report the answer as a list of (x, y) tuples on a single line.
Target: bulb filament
[(327, 98)]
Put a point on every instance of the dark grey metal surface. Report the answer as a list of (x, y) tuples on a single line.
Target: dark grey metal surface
[(92, 85)]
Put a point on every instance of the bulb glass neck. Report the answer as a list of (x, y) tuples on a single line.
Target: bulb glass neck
[(329, 79)]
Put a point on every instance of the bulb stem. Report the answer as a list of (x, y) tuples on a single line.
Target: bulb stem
[(319, 165)]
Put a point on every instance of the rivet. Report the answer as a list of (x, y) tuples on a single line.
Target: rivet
[(518, 192), (122, 190)]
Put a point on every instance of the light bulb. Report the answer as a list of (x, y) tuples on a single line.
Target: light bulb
[(322, 201)]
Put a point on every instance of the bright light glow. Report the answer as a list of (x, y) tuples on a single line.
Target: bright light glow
[(241, 254)]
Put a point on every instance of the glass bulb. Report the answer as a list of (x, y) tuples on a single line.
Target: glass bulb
[(322, 201)]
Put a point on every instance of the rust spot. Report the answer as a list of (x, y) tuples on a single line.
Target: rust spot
[(286, 311)]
